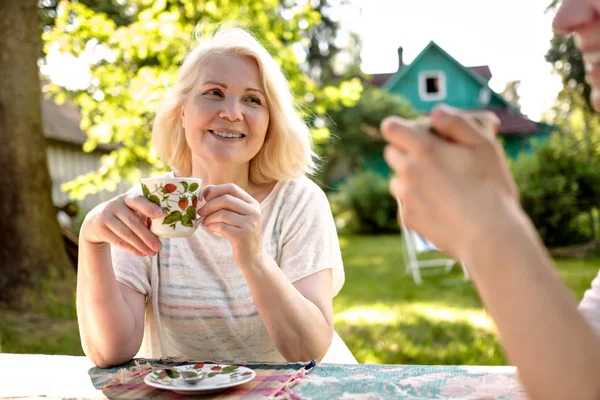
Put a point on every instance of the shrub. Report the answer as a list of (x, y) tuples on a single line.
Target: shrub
[(364, 206), (558, 189)]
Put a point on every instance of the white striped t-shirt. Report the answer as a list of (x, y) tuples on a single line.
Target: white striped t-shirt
[(198, 302)]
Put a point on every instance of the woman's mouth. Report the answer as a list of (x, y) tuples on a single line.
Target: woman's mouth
[(226, 135)]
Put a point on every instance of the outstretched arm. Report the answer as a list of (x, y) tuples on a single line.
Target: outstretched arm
[(457, 191)]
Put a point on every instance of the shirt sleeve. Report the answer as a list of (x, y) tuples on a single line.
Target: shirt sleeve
[(132, 270), (590, 304), (309, 238)]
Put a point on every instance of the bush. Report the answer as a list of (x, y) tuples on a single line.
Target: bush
[(364, 206), (558, 191), (355, 134)]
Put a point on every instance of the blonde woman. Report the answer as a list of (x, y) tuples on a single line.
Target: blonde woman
[(256, 281)]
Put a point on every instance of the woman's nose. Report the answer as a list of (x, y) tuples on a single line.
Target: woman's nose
[(231, 110), (573, 15)]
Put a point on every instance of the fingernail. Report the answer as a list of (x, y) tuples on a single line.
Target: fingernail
[(441, 112), (158, 212), (438, 114), (389, 123), (206, 191)]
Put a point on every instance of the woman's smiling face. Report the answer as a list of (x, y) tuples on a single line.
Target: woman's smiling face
[(226, 117)]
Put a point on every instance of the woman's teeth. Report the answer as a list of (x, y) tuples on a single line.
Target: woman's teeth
[(227, 135)]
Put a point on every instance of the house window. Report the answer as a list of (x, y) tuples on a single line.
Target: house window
[(432, 86), (485, 96)]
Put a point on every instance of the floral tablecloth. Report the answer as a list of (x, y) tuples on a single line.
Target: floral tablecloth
[(336, 381), (413, 382)]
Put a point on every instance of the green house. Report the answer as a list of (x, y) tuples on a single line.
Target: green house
[(436, 77)]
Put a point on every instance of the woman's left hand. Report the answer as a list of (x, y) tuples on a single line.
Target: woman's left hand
[(234, 214)]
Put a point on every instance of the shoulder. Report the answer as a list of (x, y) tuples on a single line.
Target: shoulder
[(301, 198), (301, 188)]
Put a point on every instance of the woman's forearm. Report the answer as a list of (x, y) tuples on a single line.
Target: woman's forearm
[(556, 351), (107, 325), (296, 326)]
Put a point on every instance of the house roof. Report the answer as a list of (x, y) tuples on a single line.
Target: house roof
[(61, 123), (513, 123), (483, 71), (379, 79)]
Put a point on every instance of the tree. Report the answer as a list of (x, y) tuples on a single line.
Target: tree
[(567, 61), (324, 48), (117, 10), (577, 120), (355, 132), (134, 63), (29, 231)]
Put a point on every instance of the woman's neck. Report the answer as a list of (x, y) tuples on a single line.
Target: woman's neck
[(218, 174)]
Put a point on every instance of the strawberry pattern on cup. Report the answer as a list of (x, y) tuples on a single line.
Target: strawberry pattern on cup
[(177, 202)]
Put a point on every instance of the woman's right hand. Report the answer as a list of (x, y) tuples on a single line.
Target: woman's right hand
[(454, 190), (122, 223)]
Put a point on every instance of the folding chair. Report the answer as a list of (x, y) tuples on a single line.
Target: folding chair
[(415, 245)]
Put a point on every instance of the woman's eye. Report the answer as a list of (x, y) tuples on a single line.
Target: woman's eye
[(214, 92), (254, 100)]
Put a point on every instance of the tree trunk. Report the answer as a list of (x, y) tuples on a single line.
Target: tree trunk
[(30, 239)]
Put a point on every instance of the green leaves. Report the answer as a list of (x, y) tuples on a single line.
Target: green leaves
[(193, 187), (225, 371), (189, 216), (171, 373), (186, 221), (146, 191), (136, 59), (191, 212), (172, 218), (154, 199)]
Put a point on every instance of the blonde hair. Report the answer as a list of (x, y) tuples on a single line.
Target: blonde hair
[(288, 148)]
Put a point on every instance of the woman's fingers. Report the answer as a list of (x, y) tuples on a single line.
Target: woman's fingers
[(225, 202), (230, 189), (122, 236), (224, 217), (406, 136), (137, 225), (459, 127), (222, 229), (143, 206)]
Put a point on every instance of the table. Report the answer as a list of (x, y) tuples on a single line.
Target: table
[(34, 375)]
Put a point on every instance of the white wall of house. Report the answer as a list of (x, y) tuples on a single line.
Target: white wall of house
[(66, 162)]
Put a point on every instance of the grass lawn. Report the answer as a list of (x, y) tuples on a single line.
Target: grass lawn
[(385, 318), (380, 313), (47, 322)]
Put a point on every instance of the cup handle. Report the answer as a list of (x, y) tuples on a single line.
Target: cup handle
[(201, 200)]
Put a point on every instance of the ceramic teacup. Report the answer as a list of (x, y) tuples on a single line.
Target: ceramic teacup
[(178, 198)]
